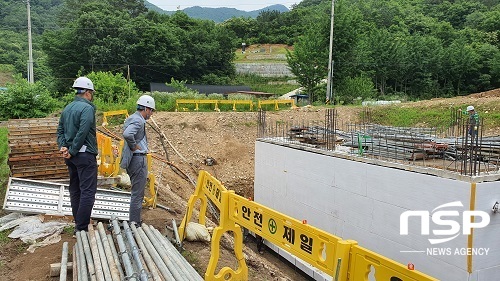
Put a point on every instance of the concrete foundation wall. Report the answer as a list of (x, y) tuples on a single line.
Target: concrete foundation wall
[(363, 202)]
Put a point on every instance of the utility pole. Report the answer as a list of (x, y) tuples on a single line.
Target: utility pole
[(128, 79), (31, 79), (330, 59)]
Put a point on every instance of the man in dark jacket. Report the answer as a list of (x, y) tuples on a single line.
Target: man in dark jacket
[(134, 154), (77, 141)]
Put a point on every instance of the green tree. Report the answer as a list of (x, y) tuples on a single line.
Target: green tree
[(25, 100), (460, 61), (112, 88), (244, 28), (424, 66), (309, 61), (350, 89)]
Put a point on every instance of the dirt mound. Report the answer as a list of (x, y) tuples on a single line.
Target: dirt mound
[(488, 94)]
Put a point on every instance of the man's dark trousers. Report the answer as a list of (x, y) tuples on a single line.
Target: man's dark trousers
[(82, 187)]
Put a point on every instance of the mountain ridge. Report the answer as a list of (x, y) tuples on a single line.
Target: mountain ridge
[(218, 14)]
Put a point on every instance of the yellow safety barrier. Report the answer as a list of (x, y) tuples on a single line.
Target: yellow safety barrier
[(150, 201), (214, 102), (209, 188), (309, 243), (109, 156), (106, 114), (364, 263), (276, 103), (344, 260)]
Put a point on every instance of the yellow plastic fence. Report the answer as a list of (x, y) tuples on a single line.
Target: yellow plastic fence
[(309, 243), (150, 200), (109, 156), (276, 103), (214, 102), (344, 260), (209, 188), (363, 263), (106, 114)]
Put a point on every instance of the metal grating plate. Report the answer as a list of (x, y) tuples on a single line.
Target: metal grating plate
[(41, 197)]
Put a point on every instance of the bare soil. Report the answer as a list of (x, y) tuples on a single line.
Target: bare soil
[(229, 138)]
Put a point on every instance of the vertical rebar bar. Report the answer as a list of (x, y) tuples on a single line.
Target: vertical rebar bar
[(261, 126)]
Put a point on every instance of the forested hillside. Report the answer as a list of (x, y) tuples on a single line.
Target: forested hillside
[(221, 14), (410, 48)]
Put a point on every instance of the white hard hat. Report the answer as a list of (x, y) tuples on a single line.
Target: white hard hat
[(147, 101), (83, 83), (470, 107)]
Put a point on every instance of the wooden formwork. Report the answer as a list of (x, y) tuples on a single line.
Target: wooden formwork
[(34, 153)]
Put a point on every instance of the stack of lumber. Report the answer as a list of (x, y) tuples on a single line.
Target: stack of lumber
[(33, 149)]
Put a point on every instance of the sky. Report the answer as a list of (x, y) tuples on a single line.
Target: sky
[(249, 5)]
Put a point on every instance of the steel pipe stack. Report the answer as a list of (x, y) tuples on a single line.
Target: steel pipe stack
[(143, 254)]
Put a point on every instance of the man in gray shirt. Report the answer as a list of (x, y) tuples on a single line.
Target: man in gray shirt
[(134, 154)]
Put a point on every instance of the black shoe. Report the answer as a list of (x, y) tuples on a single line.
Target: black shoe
[(137, 224)]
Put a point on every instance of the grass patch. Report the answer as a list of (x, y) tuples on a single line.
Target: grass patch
[(250, 124), (275, 85), (4, 168), (21, 248), (438, 116), (192, 259), (4, 237), (70, 229), (411, 117)]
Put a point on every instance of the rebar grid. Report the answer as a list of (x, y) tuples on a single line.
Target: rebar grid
[(459, 147)]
